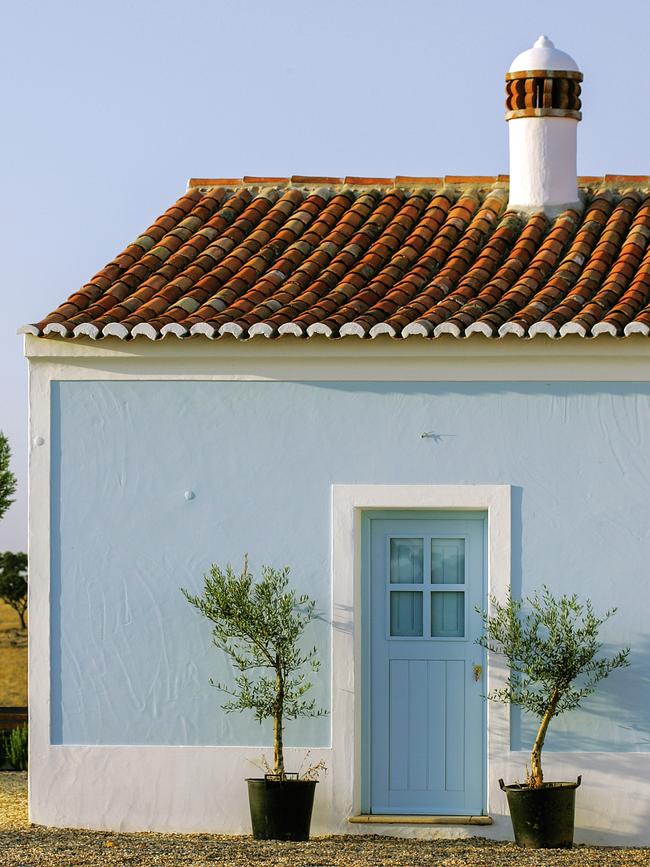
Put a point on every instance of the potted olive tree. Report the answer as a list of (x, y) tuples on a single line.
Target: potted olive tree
[(259, 625), (552, 649)]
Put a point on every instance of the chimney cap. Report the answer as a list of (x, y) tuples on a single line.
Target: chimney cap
[(544, 55)]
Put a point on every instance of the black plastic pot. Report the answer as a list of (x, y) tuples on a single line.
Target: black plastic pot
[(542, 818), (281, 809)]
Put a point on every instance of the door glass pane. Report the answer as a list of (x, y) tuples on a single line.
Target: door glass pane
[(406, 561), (447, 561), (406, 612), (448, 615)]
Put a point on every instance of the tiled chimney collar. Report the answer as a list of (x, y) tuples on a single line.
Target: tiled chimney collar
[(543, 82)]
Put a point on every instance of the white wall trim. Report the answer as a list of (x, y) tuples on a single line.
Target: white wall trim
[(348, 504), (385, 359), (39, 495)]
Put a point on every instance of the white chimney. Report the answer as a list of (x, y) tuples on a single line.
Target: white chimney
[(543, 110)]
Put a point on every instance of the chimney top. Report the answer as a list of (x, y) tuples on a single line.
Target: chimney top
[(543, 109), (543, 55)]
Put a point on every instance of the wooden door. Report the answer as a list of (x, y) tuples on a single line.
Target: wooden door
[(424, 709)]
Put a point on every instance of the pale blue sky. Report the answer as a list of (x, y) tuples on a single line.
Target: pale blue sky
[(109, 107)]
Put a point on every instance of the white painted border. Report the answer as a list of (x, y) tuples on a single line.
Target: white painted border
[(476, 359), (38, 508), (349, 502)]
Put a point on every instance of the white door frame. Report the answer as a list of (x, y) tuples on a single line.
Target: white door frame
[(348, 504)]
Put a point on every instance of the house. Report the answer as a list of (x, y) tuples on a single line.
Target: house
[(414, 391)]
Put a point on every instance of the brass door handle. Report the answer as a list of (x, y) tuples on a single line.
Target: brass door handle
[(477, 671)]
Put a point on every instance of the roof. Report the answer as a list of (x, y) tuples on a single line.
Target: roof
[(371, 256)]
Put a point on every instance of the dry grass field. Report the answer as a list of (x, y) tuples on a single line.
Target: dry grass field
[(13, 659)]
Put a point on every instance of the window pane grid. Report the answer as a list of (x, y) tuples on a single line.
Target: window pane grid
[(420, 567)]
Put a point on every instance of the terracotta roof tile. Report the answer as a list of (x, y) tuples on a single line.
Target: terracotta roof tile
[(371, 256)]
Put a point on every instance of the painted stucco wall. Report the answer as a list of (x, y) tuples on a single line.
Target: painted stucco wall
[(131, 660)]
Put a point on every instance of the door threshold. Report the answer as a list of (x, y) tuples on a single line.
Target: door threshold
[(378, 819)]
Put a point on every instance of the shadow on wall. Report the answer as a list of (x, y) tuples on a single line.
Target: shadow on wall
[(606, 814), (589, 836), (343, 619), (612, 720), (516, 552)]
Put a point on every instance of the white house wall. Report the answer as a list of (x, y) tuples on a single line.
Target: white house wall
[(127, 733)]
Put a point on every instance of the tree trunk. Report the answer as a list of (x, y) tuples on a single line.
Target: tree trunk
[(278, 746), (20, 610), (536, 775)]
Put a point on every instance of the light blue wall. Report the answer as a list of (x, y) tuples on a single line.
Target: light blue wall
[(132, 660)]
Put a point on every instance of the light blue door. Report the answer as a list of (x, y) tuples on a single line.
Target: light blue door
[(424, 728)]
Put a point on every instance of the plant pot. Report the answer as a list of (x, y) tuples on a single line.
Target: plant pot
[(542, 818), (281, 809)]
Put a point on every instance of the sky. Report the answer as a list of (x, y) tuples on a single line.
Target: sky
[(109, 107)]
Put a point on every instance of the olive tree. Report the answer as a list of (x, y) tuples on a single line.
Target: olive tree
[(551, 646), (259, 625)]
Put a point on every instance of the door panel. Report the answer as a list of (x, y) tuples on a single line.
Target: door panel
[(424, 711)]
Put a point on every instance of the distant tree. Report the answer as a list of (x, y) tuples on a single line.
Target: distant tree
[(13, 582), (7, 478)]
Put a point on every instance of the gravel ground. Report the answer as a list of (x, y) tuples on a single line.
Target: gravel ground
[(24, 845)]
